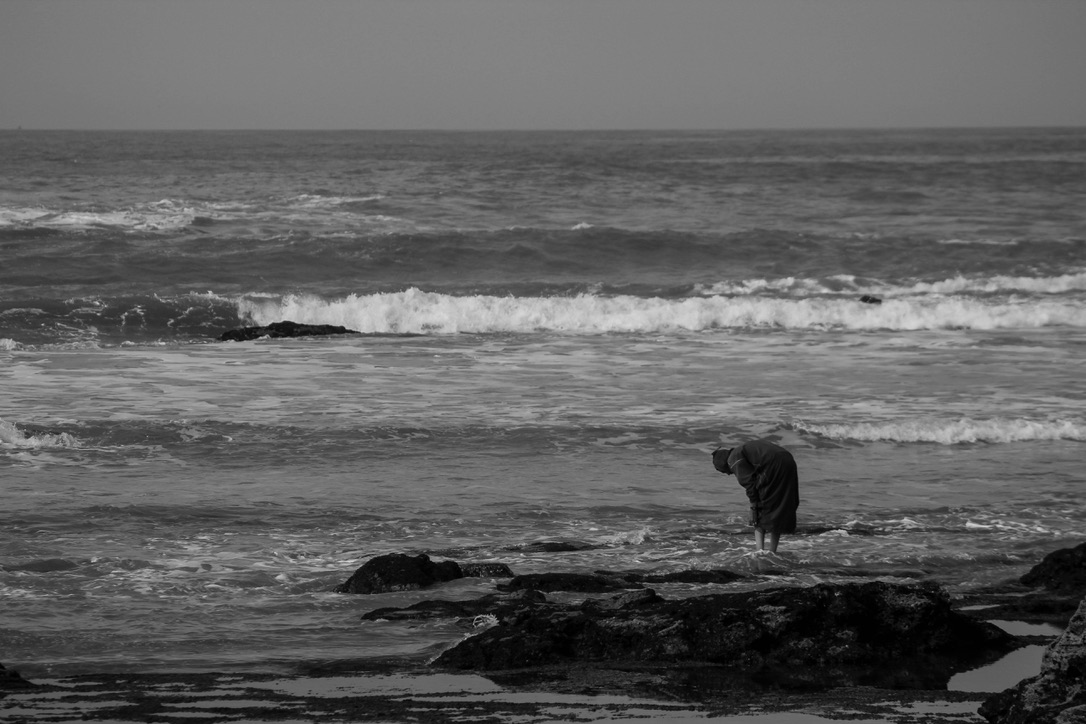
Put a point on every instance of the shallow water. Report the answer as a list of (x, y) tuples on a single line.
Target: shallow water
[(558, 330)]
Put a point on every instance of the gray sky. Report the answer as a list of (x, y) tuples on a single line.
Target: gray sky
[(541, 64)]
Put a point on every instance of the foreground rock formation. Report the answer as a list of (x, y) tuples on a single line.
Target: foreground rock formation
[(11, 680), (1049, 593), (400, 572), (870, 634), (282, 329), (1058, 693)]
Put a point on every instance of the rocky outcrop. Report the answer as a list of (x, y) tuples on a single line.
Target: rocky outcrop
[(1061, 571), (46, 565), (607, 581), (12, 680), (1049, 593), (573, 582), (282, 329), (552, 546), (494, 607), (400, 572), (870, 634), (1058, 693)]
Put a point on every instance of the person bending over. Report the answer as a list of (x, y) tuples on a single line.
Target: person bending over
[(768, 473)]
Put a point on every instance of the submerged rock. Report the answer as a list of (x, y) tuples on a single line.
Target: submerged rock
[(870, 634), (607, 581), (690, 575), (401, 572), (47, 565), (12, 680), (574, 582), (497, 605), (552, 546), (1058, 693), (486, 570), (282, 329)]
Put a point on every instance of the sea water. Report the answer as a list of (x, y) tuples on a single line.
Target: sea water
[(556, 330)]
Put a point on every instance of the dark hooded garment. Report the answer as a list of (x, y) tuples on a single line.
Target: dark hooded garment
[(768, 473)]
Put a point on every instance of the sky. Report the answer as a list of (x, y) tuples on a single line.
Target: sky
[(541, 64)]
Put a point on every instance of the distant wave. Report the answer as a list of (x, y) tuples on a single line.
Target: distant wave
[(952, 432), (850, 284), (174, 214), (149, 318), (159, 216), (418, 312)]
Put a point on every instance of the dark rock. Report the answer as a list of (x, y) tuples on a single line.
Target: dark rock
[(399, 572), (1049, 593), (12, 680), (713, 575), (503, 606), (48, 565), (607, 581), (486, 570), (643, 597), (1029, 608), (553, 546), (870, 634), (868, 299), (282, 329), (574, 582), (1058, 693), (1062, 571)]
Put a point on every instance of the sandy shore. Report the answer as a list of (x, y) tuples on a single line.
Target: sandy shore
[(398, 690), (373, 693)]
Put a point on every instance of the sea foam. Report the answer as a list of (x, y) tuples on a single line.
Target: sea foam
[(12, 436), (418, 312), (952, 432), (847, 284)]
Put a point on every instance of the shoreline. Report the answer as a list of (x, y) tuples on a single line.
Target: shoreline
[(396, 689), (348, 692)]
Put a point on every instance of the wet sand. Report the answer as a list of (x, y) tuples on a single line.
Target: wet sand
[(372, 692)]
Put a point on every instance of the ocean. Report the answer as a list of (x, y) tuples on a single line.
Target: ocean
[(556, 330)]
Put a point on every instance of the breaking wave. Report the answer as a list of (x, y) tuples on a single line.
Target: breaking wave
[(418, 312), (849, 284), (13, 437), (951, 432)]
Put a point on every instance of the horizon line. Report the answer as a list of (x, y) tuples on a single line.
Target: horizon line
[(662, 129)]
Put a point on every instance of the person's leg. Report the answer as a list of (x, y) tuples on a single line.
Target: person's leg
[(759, 538), (774, 539)]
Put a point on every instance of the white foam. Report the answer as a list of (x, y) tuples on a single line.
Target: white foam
[(323, 202), (978, 242), (952, 432), (417, 312), (847, 284), (1000, 283), (11, 436), (157, 216)]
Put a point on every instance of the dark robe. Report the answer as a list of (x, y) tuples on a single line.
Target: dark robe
[(768, 473)]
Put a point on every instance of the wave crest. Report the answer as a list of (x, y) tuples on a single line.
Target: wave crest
[(12, 436), (951, 432), (418, 312), (850, 284)]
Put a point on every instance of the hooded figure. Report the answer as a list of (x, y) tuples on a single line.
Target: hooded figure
[(768, 473)]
